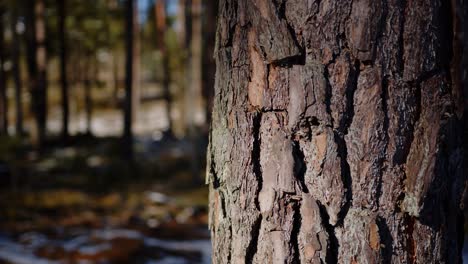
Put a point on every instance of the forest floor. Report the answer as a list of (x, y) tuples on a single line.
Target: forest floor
[(82, 203)]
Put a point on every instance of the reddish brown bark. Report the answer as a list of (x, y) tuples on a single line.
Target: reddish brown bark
[(337, 136)]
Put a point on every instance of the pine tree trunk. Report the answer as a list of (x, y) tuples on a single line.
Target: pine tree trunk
[(115, 77), (183, 18), (41, 78), (161, 28), (3, 87), (185, 38), (16, 71), (89, 70), (128, 100), (136, 64), (37, 66), (208, 67), (195, 102), (337, 134), (62, 13)]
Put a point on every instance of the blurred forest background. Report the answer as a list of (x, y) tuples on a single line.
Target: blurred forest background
[(104, 113)]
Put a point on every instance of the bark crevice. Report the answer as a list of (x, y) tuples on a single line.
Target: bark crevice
[(409, 222), (328, 92), (294, 60), (256, 149), (401, 40), (297, 220), (417, 118), (339, 137), (212, 175), (386, 122), (333, 246), (386, 249), (345, 177), (381, 28), (349, 93), (253, 244), (300, 166)]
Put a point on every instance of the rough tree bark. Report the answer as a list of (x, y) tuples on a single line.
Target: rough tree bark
[(337, 133)]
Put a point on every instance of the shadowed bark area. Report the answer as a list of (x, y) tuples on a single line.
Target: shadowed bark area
[(337, 133)]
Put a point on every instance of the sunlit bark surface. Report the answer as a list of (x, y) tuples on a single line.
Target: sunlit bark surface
[(337, 133)]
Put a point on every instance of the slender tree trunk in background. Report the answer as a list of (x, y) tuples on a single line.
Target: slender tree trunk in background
[(210, 9), (31, 51), (74, 70), (194, 100), (76, 76), (188, 25), (167, 94), (41, 81), (37, 65), (62, 13), (136, 64), (336, 135), (3, 87), (161, 28), (184, 17), (128, 101), (16, 71), (194, 94), (88, 105), (88, 101), (115, 76)]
